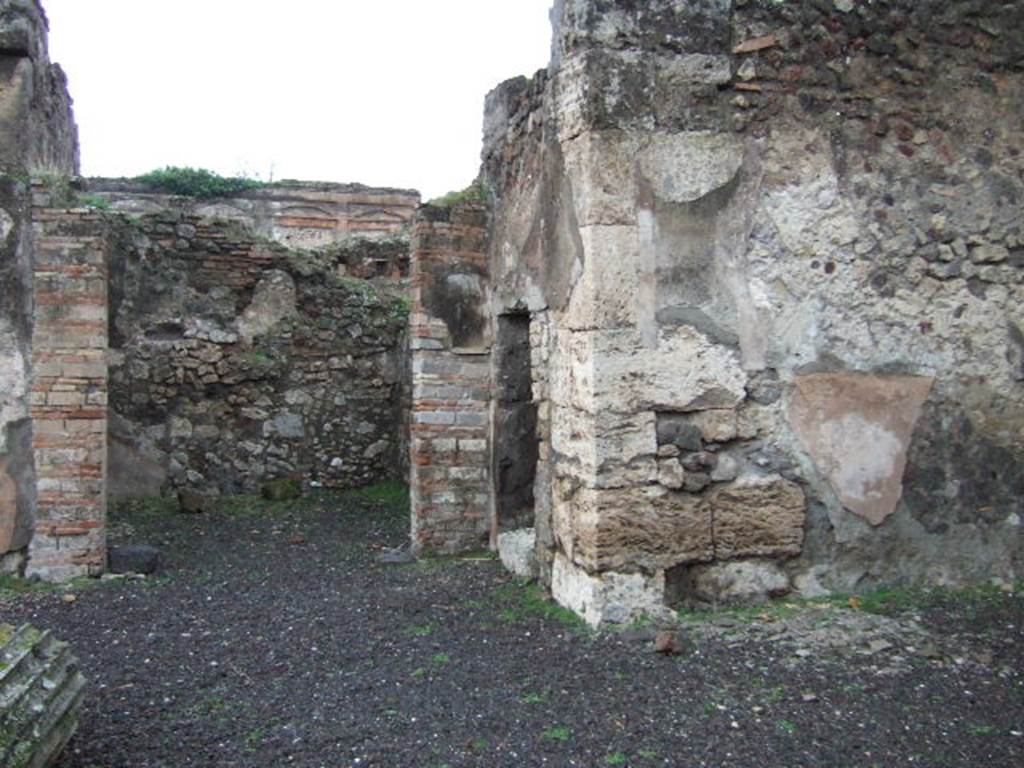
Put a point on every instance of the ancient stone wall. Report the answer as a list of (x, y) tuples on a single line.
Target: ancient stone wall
[(449, 330), (299, 214), (235, 360), (37, 135), (780, 260)]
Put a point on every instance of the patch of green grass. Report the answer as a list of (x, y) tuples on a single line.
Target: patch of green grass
[(474, 193), (885, 600), (647, 754), (776, 693), (557, 733), (422, 630), (641, 622), (95, 202), (534, 697), (479, 745), (788, 726), (981, 729), (440, 659), (419, 672), (391, 493), (241, 504), (615, 758), (15, 585), (516, 601), (253, 738)]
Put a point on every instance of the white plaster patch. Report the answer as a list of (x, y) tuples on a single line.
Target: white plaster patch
[(863, 454)]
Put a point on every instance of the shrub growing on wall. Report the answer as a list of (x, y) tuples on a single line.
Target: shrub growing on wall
[(196, 182)]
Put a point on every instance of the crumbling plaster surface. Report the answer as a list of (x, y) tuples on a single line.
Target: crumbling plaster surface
[(711, 219)]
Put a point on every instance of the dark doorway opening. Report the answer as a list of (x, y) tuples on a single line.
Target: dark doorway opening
[(515, 424)]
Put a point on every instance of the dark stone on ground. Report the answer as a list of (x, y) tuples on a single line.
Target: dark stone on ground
[(133, 558)]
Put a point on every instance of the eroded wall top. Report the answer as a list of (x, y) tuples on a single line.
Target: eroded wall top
[(298, 214), (37, 128)]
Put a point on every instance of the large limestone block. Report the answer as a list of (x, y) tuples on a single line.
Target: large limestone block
[(614, 172), (608, 598), (756, 516), (686, 166), (602, 165), (685, 372), (606, 449), (856, 428), (595, 370), (605, 292), (646, 527)]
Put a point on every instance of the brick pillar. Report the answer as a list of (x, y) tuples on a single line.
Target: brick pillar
[(451, 370), (69, 395)]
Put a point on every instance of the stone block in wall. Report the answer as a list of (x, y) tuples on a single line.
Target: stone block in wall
[(756, 516), (41, 693), (607, 449), (622, 529), (597, 369)]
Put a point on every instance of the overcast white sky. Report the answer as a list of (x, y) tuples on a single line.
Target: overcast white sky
[(387, 93)]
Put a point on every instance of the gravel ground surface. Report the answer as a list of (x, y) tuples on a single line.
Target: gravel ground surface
[(274, 637)]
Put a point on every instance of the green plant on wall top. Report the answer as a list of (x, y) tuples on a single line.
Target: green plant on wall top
[(474, 193), (196, 182)]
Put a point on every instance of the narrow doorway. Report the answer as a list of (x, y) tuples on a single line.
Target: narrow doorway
[(515, 424)]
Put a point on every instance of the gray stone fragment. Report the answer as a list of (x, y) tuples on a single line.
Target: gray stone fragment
[(696, 481), (674, 429), (725, 470), (398, 556)]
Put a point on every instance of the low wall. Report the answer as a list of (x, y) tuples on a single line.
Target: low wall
[(235, 360)]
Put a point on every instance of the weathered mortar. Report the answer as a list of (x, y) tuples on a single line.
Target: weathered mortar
[(778, 258)]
